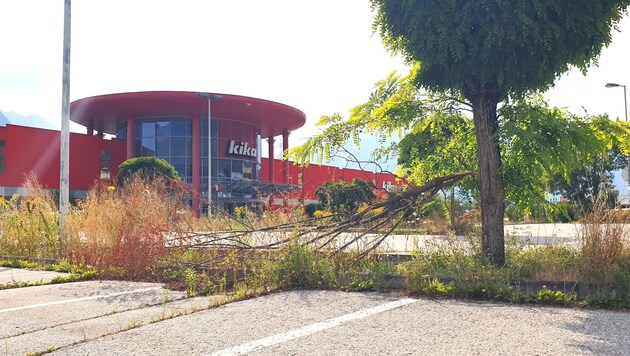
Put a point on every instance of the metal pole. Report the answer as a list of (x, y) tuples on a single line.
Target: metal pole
[(209, 97), (209, 156), (625, 101), (64, 167)]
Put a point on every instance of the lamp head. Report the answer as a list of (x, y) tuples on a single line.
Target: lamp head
[(210, 96), (612, 85)]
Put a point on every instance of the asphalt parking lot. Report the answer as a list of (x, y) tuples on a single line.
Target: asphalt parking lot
[(128, 318)]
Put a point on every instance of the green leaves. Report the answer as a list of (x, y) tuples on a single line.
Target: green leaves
[(393, 107), (513, 47), (539, 144), (440, 144), (344, 197), (147, 167)]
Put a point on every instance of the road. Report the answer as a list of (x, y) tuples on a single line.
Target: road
[(126, 318)]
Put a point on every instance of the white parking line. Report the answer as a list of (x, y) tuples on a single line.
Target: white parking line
[(311, 329), (92, 297)]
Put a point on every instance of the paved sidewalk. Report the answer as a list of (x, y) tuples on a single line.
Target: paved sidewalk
[(12, 275)]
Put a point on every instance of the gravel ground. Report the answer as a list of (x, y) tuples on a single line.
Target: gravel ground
[(420, 327)]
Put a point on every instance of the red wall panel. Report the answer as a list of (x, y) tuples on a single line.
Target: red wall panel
[(37, 151)]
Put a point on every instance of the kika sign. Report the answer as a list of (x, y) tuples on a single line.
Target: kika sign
[(241, 149)]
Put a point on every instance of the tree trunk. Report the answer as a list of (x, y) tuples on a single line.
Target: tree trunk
[(492, 189)]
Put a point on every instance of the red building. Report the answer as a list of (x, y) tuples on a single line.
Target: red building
[(174, 126)]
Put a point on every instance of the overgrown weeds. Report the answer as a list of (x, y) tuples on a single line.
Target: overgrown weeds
[(144, 231), (28, 224), (125, 228), (601, 261), (605, 248)]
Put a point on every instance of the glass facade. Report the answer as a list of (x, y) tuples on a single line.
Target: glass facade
[(170, 138)]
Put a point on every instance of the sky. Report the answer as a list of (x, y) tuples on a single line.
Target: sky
[(318, 56)]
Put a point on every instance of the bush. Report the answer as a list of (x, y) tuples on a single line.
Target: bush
[(344, 197), (147, 167)]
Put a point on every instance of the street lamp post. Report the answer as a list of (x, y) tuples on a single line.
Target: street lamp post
[(625, 100), (210, 97)]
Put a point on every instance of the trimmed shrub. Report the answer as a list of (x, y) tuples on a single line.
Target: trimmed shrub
[(147, 168)]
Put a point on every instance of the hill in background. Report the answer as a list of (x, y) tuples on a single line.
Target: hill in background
[(17, 119)]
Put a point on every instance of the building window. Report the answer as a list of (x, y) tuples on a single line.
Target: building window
[(2, 155), (247, 170), (225, 168), (106, 164), (237, 169), (121, 130)]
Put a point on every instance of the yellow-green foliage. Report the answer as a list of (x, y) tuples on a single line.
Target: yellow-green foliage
[(28, 225)]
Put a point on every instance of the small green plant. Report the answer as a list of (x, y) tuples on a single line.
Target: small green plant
[(435, 287), (133, 324), (371, 275), (606, 300), (192, 278), (241, 292), (48, 350), (550, 296)]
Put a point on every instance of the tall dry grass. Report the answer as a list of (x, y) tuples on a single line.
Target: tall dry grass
[(605, 247), (126, 228)]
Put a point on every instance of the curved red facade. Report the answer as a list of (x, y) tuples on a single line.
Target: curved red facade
[(103, 112), (220, 156)]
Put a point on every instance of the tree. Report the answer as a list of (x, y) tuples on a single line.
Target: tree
[(540, 145), (148, 167), (344, 197), (592, 182), (492, 50)]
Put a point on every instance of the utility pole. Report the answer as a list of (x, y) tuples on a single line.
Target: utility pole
[(64, 168)]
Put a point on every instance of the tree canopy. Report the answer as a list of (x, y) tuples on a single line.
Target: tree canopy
[(591, 185), (513, 47)]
